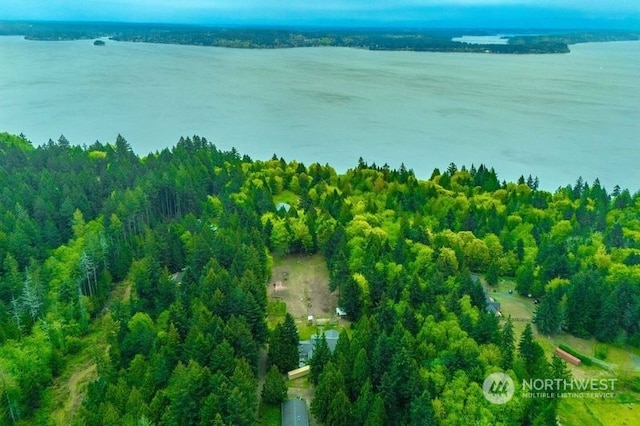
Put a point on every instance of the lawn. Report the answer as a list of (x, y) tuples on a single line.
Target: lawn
[(623, 409), (286, 196), (269, 415), (302, 283)]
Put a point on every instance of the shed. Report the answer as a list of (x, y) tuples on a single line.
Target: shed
[(294, 413), (567, 357), (298, 372)]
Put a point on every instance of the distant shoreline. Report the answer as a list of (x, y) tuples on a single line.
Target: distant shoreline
[(539, 42)]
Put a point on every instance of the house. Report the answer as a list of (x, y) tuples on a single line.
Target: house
[(305, 347), (294, 412), (340, 312), (492, 306)]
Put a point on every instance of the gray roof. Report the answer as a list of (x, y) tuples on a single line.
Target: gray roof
[(305, 347), (493, 307), (331, 336), (294, 413), (284, 206)]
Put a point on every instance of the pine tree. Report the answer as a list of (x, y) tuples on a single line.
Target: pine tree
[(422, 411), (608, 324), (548, 316), (339, 412), (274, 390), (507, 346), (351, 299), (492, 274), (283, 346), (321, 356), (531, 352), (331, 382)]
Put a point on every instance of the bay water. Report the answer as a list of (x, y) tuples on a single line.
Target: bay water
[(557, 117)]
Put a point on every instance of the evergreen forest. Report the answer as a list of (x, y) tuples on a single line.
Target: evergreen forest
[(152, 272)]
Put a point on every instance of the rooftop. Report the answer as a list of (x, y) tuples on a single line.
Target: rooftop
[(294, 413)]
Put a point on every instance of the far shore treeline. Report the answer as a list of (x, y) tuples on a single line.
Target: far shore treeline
[(269, 38)]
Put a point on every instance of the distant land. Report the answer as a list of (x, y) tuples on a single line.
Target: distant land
[(427, 40)]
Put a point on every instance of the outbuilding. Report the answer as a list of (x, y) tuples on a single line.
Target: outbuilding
[(568, 357), (294, 412)]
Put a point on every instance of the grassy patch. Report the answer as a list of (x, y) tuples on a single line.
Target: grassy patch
[(585, 359), (623, 409), (303, 284), (574, 411), (300, 383), (286, 196), (305, 331), (620, 356), (64, 398), (276, 311), (276, 308), (270, 415), (601, 350)]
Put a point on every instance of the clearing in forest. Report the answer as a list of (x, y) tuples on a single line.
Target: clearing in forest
[(618, 363), (302, 282)]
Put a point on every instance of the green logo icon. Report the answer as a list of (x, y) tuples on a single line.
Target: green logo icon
[(498, 388)]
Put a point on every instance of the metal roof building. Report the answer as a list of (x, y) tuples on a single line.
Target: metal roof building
[(294, 413)]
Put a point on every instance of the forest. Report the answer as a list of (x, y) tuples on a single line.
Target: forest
[(425, 40), (155, 268)]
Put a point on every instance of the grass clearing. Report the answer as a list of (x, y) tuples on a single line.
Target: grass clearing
[(269, 415), (302, 283), (623, 408), (65, 396), (286, 196), (300, 286)]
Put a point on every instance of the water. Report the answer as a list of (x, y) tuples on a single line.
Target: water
[(486, 39), (553, 116)]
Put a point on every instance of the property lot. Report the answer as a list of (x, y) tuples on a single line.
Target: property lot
[(302, 282)]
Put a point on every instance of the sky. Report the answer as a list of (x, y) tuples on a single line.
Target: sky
[(422, 13)]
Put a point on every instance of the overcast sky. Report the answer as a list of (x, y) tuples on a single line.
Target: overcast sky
[(487, 13)]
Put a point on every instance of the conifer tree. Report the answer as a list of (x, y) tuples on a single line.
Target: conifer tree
[(274, 390), (548, 314), (507, 346), (531, 352), (283, 346), (321, 356)]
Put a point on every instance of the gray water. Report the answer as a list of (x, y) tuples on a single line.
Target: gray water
[(553, 116)]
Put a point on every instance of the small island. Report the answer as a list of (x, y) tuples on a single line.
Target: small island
[(99, 43)]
